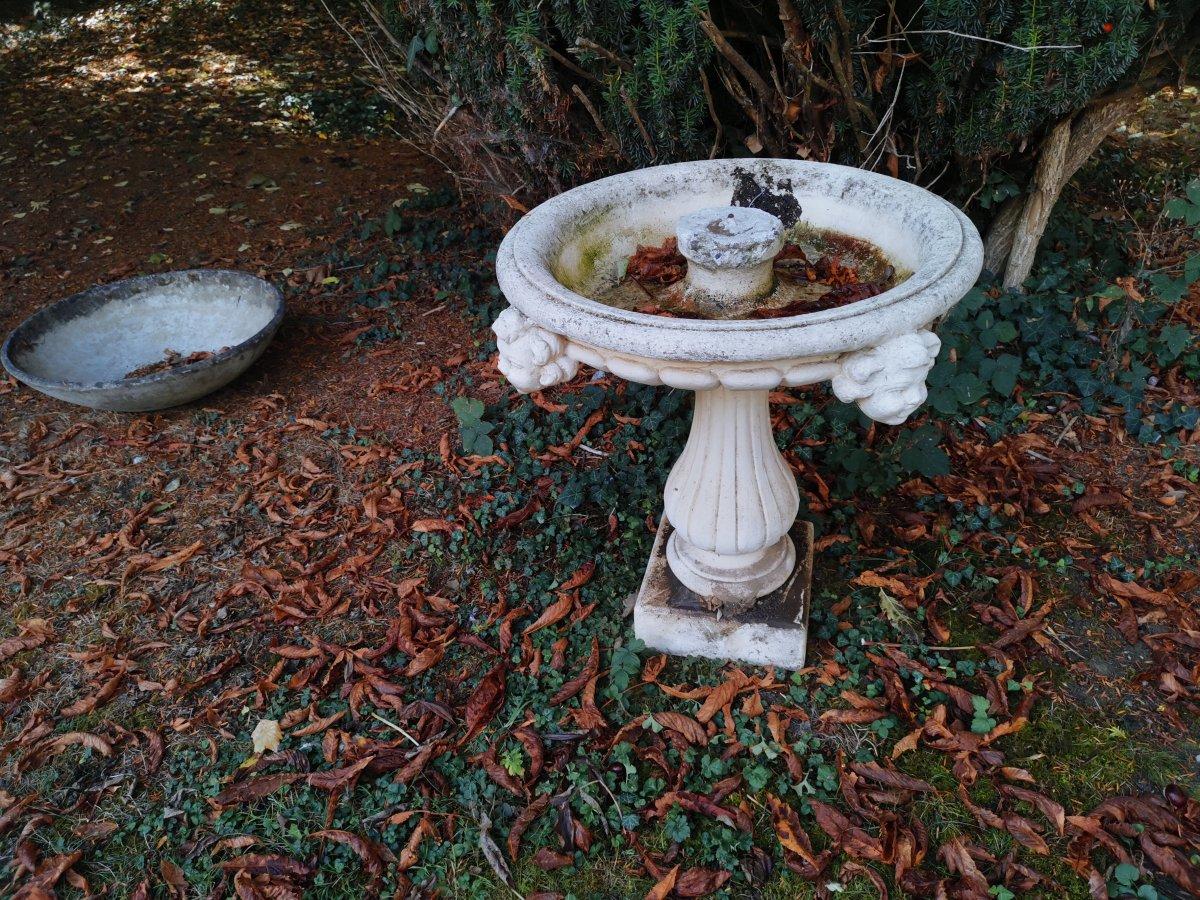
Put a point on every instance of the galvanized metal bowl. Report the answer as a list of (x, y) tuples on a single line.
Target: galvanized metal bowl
[(83, 349)]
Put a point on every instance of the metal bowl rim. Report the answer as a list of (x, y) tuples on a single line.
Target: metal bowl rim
[(261, 336)]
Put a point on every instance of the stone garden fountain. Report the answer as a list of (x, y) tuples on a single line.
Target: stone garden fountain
[(726, 579)]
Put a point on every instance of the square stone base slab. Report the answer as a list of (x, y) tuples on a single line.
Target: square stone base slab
[(671, 618)]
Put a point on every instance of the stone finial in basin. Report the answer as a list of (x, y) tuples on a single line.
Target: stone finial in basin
[(730, 251)]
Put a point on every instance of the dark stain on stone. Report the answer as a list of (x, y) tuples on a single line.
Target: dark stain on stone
[(765, 193)]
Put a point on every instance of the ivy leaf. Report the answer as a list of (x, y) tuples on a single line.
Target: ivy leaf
[(472, 428), (676, 826), (944, 401), (513, 762), (981, 723), (1191, 269), (1126, 874), (624, 666), (1176, 208), (1176, 338), (1004, 375), (1166, 288), (1005, 331), (415, 46), (968, 388), (855, 460), (571, 495), (920, 453), (392, 222)]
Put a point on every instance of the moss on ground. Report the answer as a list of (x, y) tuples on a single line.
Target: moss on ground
[(1079, 758), (615, 877)]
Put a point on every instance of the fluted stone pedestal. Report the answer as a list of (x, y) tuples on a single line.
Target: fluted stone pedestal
[(731, 498)]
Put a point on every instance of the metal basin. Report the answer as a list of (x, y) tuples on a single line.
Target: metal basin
[(83, 349)]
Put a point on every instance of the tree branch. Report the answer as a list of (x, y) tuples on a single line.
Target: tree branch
[(736, 60)]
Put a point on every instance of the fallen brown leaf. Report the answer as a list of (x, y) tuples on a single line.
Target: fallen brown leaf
[(484, 702), (665, 885)]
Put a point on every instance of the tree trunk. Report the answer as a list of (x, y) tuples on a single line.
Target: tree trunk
[(999, 241), (1013, 238), (1048, 180)]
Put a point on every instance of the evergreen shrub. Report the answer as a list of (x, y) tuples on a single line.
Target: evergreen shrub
[(536, 95)]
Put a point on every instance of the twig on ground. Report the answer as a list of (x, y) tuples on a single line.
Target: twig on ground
[(395, 727)]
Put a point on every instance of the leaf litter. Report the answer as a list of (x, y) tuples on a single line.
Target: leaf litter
[(300, 573)]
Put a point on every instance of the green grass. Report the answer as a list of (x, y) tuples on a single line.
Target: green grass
[(1079, 759), (615, 875)]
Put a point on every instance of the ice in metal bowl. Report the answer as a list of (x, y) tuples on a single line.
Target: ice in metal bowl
[(146, 343)]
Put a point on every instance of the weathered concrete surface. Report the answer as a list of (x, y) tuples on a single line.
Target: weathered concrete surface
[(773, 633)]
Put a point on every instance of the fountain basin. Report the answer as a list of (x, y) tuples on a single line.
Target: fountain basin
[(568, 249), (731, 498), (88, 348)]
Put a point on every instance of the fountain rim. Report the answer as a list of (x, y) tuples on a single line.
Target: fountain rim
[(524, 271)]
